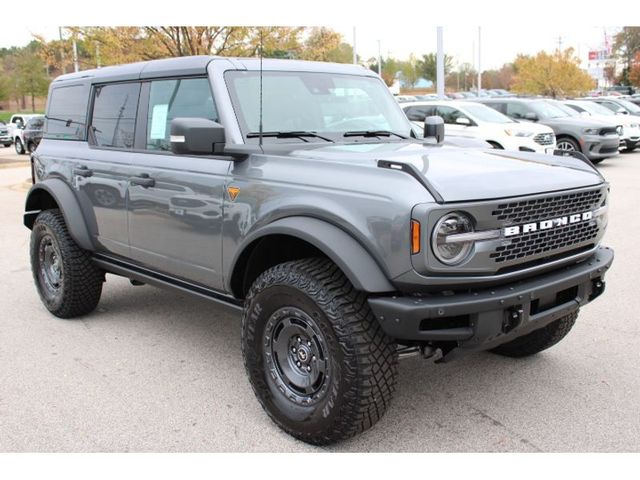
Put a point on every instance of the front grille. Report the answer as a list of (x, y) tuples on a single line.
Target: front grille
[(609, 130), (536, 243), (524, 211), (4, 132), (523, 247), (544, 138)]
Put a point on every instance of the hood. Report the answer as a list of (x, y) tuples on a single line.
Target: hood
[(467, 174), (584, 122)]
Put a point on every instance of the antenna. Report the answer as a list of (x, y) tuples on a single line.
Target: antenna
[(260, 126)]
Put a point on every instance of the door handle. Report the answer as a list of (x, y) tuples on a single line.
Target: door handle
[(143, 181), (82, 171)]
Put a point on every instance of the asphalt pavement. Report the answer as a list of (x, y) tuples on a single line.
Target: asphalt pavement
[(153, 370)]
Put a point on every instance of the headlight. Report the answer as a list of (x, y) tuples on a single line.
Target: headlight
[(517, 133), (590, 131), (445, 248)]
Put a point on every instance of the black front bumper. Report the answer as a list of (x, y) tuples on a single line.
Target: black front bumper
[(485, 318)]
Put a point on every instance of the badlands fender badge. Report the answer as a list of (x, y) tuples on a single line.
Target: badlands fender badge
[(547, 224)]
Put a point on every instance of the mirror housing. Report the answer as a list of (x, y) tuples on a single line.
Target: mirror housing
[(434, 128), (196, 136), (531, 116), (622, 111), (463, 121)]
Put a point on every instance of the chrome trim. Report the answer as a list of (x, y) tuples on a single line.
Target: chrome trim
[(472, 236)]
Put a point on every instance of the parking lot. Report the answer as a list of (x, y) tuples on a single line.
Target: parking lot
[(153, 370)]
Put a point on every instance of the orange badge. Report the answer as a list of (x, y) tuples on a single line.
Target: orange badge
[(233, 193)]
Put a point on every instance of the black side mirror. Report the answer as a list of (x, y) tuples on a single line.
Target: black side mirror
[(434, 128), (531, 116), (197, 136)]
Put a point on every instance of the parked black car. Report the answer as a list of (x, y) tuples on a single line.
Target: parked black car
[(32, 133)]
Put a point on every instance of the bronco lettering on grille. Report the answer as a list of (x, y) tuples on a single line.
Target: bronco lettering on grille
[(547, 224)]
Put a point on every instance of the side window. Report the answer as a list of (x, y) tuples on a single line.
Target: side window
[(67, 113), (17, 120), (517, 110), (114, 115), (449, 114), (418, 114), (611, 106), (169, 99)]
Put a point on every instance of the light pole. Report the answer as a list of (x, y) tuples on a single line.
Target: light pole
[(379, 60), (440, 64), (479, 64), (355, 55)]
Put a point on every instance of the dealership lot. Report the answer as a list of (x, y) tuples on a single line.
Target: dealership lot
[(153, 370)]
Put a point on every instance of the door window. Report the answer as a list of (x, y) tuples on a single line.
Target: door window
[(114, 115), (517, 110), (450, 114), (418, 114), (169, 99)]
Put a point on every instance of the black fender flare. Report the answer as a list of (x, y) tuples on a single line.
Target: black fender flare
[(68, 204), (348, 254)]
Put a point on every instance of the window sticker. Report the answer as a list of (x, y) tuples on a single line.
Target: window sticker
[(159, 122)]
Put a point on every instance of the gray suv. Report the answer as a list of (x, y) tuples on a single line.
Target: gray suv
[(297, 194), (597, 140)]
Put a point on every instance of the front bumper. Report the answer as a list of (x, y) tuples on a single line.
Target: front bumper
[(600, 146), (5, 139), (485, 318)]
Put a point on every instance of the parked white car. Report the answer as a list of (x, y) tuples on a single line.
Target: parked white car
[(16, 125), (474, 120), (630, 135)]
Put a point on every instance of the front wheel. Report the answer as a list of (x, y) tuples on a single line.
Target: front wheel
[(19, 147), (567, 145), (538, 340), (317, 359)]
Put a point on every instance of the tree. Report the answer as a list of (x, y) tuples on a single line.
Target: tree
[(343, 53), (427, 66), (626, 44), (321, 44), (501, 78), (31, 75), (556, 75), (634, 72), (390, 69), (409, 72)]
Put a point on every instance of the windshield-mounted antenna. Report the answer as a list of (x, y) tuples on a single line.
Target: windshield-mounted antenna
[(260, 125)]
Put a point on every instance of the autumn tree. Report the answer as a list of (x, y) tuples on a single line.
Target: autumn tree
[(626, 45), (427, 66), (500, 78), (634, 71), (320, 43), (555, 75)]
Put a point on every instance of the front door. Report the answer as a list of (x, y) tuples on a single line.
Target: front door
[(175, 201)]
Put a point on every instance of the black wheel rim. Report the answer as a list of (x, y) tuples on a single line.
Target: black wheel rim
[(51, 269), (296, 355)]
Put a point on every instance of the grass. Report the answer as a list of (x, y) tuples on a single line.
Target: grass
[(5, 116)]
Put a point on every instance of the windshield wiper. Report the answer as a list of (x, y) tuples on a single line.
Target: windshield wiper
[(372, 133), (289, 134)]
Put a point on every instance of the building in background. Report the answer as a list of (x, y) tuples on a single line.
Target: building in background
[(602, 64)]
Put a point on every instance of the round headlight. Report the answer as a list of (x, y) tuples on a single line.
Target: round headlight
[(445, 248)]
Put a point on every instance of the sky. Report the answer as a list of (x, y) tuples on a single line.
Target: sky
[(499, 44)]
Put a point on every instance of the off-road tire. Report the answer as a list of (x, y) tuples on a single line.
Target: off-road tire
[(538, 340), (361, 359), (80, 285)]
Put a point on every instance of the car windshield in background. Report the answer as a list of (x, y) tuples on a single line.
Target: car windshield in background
[(595, 108), (325, 104), (547, 110), (487, 114), (632, 107)]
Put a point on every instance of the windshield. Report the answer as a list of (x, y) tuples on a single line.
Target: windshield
[(565, 108), (327, 104), (487, 114), (547, 110), (632, 107), (595, 109)]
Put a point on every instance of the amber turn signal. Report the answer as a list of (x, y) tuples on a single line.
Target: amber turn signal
[(415, 237)]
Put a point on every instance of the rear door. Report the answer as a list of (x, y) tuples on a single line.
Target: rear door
[(175, 207)]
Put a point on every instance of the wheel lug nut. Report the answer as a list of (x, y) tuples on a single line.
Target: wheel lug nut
[(294, 350), (308, 368), (298, 363), (313, 358), (308, 344), (299, 340)]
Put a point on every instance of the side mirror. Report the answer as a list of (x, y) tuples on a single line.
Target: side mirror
[(197, 136), (585, 114), (531, 116), (434, 128), (463, 121), (622, 111)]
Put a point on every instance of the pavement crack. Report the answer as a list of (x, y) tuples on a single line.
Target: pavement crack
[(497, 423)]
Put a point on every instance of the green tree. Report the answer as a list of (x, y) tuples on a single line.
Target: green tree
[(390, 69), (626, 45), (556, 75), (343, 53), (31, 75), (427, 66), (410, 72)]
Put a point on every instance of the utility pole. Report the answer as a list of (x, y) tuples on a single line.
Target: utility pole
[(559, 43), (439, 64), (473, 56), (75, 55), (62, 60), (379, 60), (479, 61), (355, 55)]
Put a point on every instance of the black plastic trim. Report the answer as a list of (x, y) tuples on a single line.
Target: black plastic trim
[(415, 173)]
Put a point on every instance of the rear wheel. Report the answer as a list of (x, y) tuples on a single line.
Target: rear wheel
[(31, 147), (68, 282), (538, 340), (318, 361), (19, 147)]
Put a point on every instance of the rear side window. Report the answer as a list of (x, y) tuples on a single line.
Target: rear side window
[(67, 113), (517, 110), (114, 115), (169, 99)]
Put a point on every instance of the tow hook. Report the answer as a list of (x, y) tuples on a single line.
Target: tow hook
[(513, 317)]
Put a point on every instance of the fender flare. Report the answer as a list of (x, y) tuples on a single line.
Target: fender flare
[(348, 254), (68, 204)]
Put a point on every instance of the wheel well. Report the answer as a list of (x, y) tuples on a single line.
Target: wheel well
[(39, 200), (570, 137), (265, 253)]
